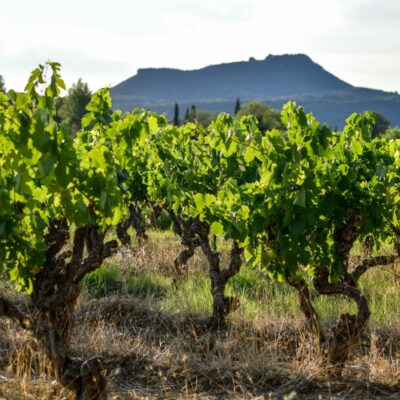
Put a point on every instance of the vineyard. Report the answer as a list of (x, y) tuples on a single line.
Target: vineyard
[(286, 207)]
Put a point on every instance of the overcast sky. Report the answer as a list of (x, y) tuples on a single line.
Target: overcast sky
[(105, 42)]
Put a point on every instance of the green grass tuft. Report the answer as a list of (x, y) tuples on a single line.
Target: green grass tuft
[(104, 280)]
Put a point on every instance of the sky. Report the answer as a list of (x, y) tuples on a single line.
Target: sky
[(105, 42)]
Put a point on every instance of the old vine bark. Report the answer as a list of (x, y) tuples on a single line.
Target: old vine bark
[(195, 233), (186, 230), (49, 315), (349, 327), (308, 309), (135, 219)]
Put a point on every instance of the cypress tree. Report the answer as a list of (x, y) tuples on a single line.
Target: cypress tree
[(192, 115), (176, 115), (237, 106)]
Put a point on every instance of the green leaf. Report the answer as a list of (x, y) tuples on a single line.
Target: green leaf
[(48, 163), (300, 199), (103, 199), (395, 219), (199, 200), (296, 227), (217, 228), (357, 146), (249, 154)]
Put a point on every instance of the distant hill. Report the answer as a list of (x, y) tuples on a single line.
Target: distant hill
[(274, 80)]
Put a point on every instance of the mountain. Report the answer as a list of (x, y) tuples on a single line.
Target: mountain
[(274, 80)]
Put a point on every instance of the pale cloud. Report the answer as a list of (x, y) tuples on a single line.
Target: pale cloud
[(377, 13), (211, 10), (75, 64)]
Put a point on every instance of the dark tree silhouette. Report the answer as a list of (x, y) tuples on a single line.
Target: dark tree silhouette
[(237, 106), (72, 107), (175, 120), (381, 124)]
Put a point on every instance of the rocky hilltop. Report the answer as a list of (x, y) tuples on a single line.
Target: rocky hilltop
[(274, 80)]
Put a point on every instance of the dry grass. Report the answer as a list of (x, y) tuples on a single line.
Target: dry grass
[(162, 353)]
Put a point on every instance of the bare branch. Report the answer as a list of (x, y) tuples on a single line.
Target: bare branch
[(235, 263), (307, 308), (94, 259), (323, 286), (368, 263)]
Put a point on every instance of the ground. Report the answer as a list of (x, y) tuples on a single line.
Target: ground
[(157, 334)]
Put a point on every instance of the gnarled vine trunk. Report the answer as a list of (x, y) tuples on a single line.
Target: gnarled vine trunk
[(348, 329), (51, 326), (222, 305), (49, 315), (308, 309), (135, 219), (195, 233), (186, 230)]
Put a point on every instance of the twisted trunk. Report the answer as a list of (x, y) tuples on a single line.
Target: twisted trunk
[(368, 263), (349, 328), (134, 219), (222, 305), (51, 326), (50, 313), (195, 233), (308, 309), (186, 229)]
